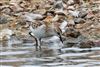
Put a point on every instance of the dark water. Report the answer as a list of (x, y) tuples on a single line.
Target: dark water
[(21, 53)]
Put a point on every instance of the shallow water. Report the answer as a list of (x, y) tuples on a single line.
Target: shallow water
[(21, 53)]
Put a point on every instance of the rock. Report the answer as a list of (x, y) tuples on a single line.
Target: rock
[(79, 20), (28, 40), (70, 2), (78, 26), (58, 4), (90, 15), (63, 26), (82, 14), (5, 34), (47, 6), (3, 19), (60, 12), (97, 43), (31, 16), (7, 10), (71, 33), (70, 8), (73, 42), (50, 12), (69, 44), (56, 18), (86, 44), (15, 7), (77, 1), (74, 13)]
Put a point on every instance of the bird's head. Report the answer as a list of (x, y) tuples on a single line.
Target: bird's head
[(48, 20), (70, 20)]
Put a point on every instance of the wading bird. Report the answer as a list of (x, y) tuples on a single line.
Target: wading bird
[(46, 30)]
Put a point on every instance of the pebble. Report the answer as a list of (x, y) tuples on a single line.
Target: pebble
[(82, 14), (31, 16), (3, 20), (87, 44), (5, 34), (71, 33), (74, 13), (71, 8), (79, 20), (97, 43), (70, 2)]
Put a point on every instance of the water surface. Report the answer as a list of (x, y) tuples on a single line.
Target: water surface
[(21, 53)]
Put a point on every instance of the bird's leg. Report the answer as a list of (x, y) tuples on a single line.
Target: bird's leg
[(40, 44), (60, 37), (60, 51), (36, 39), (36, 44)]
